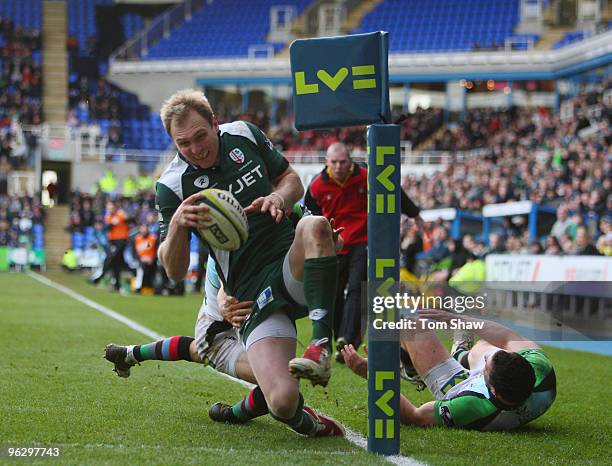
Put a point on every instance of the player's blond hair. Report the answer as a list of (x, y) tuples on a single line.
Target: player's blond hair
[(181, 103)]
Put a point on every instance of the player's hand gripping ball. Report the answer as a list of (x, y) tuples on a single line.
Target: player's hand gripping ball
[(229, 228)]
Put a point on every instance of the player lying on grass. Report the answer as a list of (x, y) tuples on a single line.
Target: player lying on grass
[(503, 382)]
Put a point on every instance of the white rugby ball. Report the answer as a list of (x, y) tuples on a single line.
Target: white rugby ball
[(229, 228)]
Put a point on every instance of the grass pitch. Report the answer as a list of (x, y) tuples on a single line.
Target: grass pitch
[(57, 390)]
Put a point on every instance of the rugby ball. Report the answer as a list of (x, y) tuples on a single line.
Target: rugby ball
[(229, 228)]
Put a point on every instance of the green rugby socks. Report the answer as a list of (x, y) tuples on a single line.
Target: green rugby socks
[(302, 422), (320, 281), (254, 405)]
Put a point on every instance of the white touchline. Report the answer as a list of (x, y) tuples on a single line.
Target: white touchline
[(98, 307), (354, 437)]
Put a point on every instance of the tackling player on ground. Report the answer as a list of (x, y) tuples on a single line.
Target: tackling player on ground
[(503, 382)]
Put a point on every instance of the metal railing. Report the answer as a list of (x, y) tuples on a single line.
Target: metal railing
[(21, 183), (160, 28), (89, 144), (408, 156), (77, 144)]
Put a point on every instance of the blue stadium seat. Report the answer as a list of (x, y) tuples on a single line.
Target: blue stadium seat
[(24, 13), (208, 28), (78, 240), (89, 237), (38, 233), (443, 24), (569, 38)]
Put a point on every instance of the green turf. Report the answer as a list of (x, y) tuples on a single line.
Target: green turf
[(56, 389)]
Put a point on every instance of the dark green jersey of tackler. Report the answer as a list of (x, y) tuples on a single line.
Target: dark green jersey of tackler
[(469, 404), (248, 164)]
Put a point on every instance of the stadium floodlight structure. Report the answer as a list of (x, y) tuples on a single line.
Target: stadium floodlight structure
[(343, 81)]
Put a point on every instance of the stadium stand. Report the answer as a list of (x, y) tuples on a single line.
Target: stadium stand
[(20, 59), (82, 22), (416, 128), (86, 218), (119, 117), (211, 31), (96, 104), (444, 25), (132, 23), (21, 218), (20, 78), (23, 13), (536, 156), (116, 114), (88, 235), (569, 38), (576, 36), (22, 233)]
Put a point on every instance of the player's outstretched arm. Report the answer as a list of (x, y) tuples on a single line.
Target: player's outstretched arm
[(289, 186), (288, 189), (497, 334), (173, 252), (409, 414), (354, 361), (422, 416)]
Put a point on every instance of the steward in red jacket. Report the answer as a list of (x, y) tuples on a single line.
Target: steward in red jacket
[(340, 192)]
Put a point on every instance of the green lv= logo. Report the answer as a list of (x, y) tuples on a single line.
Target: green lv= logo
[(334, 82)]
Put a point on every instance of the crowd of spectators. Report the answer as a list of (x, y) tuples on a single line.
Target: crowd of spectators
[(92, 101), (20, 89), (88, 210), (92, 217), (21, 76), (415, 127), (18, 216), (559, 161)]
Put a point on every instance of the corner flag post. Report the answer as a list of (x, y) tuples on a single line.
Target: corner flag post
[(383, 275), (344, 81)]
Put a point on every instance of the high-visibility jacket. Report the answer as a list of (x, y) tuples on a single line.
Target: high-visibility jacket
[(145, 247), (118, 226)]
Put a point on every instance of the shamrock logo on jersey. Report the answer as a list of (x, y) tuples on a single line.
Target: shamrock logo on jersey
[(202, 181), (237, 156)]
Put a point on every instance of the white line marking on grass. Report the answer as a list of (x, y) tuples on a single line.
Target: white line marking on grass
[(98, 307), (354, 437), (191, 448)]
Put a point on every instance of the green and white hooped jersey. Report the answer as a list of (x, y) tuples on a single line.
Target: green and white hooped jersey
[(469, 404), (248, 164)]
